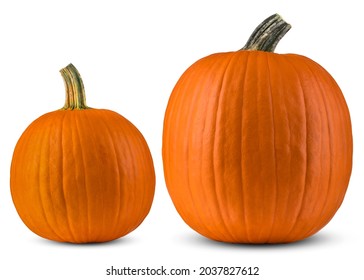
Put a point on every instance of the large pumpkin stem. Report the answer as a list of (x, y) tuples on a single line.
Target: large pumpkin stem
[(267, 35), (75, 92)]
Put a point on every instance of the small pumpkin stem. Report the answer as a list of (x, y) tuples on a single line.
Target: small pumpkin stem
[(267, 35), (75, 92)]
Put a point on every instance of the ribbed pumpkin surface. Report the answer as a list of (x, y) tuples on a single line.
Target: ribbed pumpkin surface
[(257, 147), (82, 176)]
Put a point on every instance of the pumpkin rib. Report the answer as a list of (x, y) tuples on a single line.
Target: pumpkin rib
[(315, 226), (202, 152), (235, 97), (147, 156), (260, 123), (215, 151), (329, 189), (209, 152), (41, 190), (61, 133), (322, 171), (144, 150), (252, 105), (340, 195), (254, 124), (138, 149), (324, 102), (54, 229), (259, 141), (218, 148), (176, 103), (304, 166), (82, 160), (290, 145), (173, 103), (76, 187), (41, 204), (43, 136), (303, 189), (300, 206), (23, 138), (179, 123), (242, 155), (184, 126), (105, 120), (64, 167), (279, 64), (186, 145), (207, 69), (273, 150), (20, 148), (338, 103), (283, 119), (127, 152), (97, 224), (274, 147), (344, 114), (263, 114), (132, 151), (117, 217), (73, 219), (101, 235), (88, 188), (240, 174), (209, 103), (256, 107)]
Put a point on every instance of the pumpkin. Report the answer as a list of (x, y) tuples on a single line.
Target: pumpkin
[(80, 174), (257, 146)]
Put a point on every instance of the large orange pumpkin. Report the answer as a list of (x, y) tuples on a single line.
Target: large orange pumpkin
[(257, 146), (80, 174)]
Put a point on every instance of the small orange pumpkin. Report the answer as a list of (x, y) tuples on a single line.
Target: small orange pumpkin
[(257, 146), (80, 174)]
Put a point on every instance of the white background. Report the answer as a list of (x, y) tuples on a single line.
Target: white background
[(130, 55)]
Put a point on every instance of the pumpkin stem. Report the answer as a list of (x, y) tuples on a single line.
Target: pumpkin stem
[(75, 92), (267, 35)]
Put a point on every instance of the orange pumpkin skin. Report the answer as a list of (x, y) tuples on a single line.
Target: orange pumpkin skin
[(82, 176), (257, 147)]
